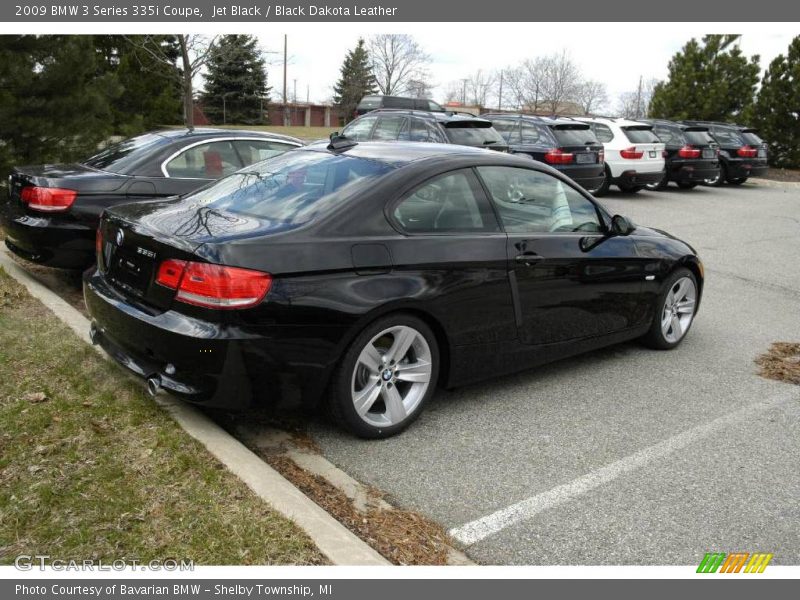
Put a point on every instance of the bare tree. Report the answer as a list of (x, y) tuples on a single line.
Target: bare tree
[(419, 88), (591, 96), (453, 91), (634, 104), (525, 84), (193, 54), (479, 86), (561, 81), (397, 59)]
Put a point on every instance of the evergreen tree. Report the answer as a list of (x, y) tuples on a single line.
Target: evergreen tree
[(777, 109), (235, 81), (55, 100), (355, 81), (711, 80)]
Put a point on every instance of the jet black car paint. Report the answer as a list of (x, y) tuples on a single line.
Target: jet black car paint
[(334, 275)]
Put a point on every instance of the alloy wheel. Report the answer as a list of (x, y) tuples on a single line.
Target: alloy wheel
[(391, 376), (678, 311)]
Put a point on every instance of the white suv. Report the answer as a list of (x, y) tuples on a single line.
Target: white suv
[(634, 155)]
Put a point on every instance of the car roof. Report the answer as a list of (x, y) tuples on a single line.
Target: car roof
[(619, 121), (398, 153), (212, 132), (444, 117), (544, 120)]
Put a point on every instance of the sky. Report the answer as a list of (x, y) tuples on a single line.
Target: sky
[(615, 53)]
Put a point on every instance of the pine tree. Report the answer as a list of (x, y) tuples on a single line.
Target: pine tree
[(356, 80), (235, 82), (55, 100), (711, 80), (776, 110)]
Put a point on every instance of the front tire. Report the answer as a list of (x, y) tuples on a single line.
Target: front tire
[(658, 185), (719, 179), (385, 378), (674, 311), (603, 189)]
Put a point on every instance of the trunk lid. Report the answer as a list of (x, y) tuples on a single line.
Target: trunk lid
[(646, 141), (580, 141), (74, 176)]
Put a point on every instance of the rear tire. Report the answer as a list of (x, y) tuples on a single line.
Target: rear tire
[(719, 179), (602, 190), (674, 310), (385, 377)]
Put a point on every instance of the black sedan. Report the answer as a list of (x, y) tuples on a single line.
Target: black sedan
[(369, 273), (52, 211)]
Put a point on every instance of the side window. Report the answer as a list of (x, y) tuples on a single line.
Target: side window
[(449, 203), (388, 127), (508, 129), (603, 133), (530, 133), (253, 151), (424, 131), (206, 161), (360, 129), (530, 201)]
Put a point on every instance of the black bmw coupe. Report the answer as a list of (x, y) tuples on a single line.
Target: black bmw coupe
[(52, 211), (366, 274)]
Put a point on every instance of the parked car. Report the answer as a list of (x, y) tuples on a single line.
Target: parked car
[(52, 211), (563, 143), (692, 155), (370, 103), (742, 153), (634, 156), (368, 273), (421, 126)]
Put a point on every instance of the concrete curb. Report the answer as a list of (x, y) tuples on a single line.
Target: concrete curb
[(789, 185), (333, 539)]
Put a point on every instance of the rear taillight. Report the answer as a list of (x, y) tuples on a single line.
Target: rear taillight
[(213, 286), (747, 152), (48, 199), (556, 156), (601, 156), (98, 241), (689, 151), (631, 152)]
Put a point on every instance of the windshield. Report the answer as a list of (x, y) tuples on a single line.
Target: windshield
[(575, 135), (291, 188), (641, 135), (117, 158), (473, 134)]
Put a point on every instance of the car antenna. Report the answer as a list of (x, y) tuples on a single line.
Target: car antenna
[(340, 143)]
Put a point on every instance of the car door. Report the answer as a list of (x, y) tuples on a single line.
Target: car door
[(570, 279), (453, 246)]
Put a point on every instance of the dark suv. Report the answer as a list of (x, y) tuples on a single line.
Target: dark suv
[(566, 144), (692, 154), (742, 153), (370, 103), (423, 126)]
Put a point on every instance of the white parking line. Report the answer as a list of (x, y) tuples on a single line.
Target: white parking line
[(477, 530)]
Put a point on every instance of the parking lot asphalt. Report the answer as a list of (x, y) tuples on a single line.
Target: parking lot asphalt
[(628, 455)]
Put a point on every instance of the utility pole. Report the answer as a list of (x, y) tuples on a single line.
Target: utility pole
[(500, 95), (464, 92), (294, 95), (638, 114), (287, 118)]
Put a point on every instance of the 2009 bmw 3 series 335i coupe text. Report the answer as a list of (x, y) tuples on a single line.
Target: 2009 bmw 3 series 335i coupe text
[(365, 275)]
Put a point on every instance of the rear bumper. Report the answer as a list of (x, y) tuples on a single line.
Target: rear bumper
[(692, 171), (742, 168), (589, 177), (632, 178), (48, 240), (206, 363)]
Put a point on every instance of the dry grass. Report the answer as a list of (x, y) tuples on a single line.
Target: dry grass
[(92, 468), (781, 362), (402, 536)]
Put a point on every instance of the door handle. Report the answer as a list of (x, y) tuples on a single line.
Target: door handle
[(528, 258)]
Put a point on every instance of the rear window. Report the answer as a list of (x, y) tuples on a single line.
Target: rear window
[(473, 133), (574, 135), (370, 102), (698, 138), (728, 136), (671, 136), (292, 188), (752, 138), (641, 134), (118, 158)]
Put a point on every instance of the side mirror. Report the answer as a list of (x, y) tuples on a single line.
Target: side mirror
[(621, 225)]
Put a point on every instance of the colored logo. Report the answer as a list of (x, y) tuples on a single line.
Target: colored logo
[(736, 562)]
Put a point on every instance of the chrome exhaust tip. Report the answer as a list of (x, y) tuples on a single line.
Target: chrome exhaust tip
[(153, 385)]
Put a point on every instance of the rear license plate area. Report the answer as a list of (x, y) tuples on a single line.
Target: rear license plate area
[(586, 158), (130, 271), (708, 153), (652, 154), (762, 153)]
